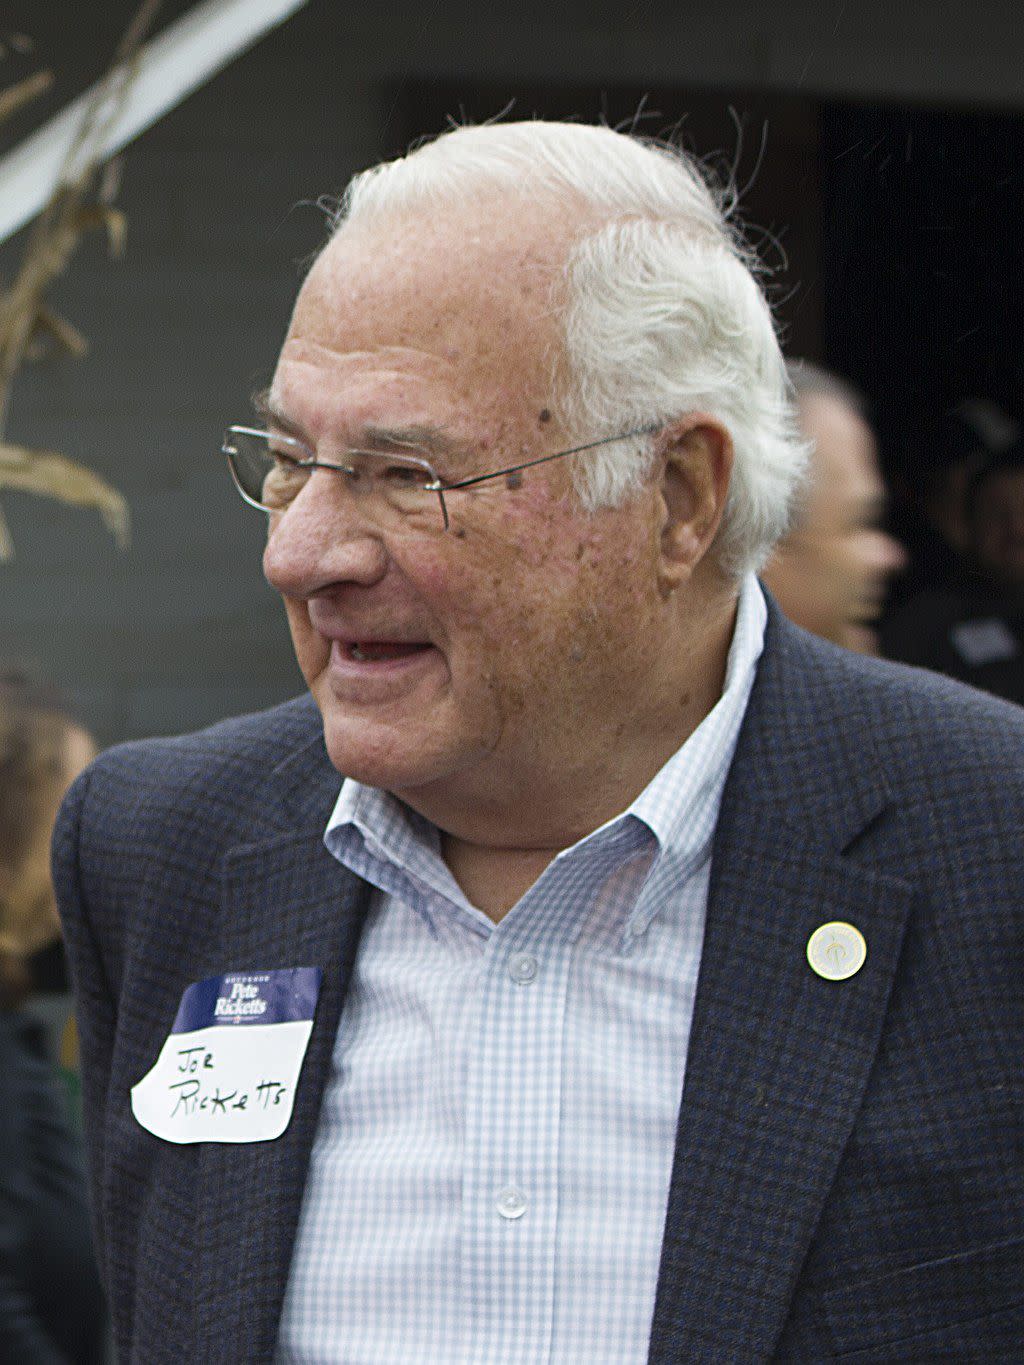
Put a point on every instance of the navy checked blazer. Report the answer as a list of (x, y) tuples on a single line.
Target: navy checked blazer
[(848, 1176)]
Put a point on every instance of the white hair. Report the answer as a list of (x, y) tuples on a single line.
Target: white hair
[(662, 314)]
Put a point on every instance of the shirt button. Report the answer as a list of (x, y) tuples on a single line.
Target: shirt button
[(511, 1202), (522, 968)]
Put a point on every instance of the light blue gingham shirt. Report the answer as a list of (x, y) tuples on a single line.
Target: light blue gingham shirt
[(490, 1172)]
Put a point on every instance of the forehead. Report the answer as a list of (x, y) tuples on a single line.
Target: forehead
[(464, 289), (844, 462)]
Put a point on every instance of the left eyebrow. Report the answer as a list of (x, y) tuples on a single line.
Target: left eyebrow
[(426, 437), (431, 439), (271, 414)]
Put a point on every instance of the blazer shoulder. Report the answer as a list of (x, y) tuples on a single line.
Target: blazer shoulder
[(258, 738), (925, 719), (917, 721), (214, 784)]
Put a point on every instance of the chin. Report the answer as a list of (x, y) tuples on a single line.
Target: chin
[(860, 637), (374, 764), (379, 755)]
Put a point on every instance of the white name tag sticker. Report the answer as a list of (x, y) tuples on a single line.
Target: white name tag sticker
[(229, 1068)]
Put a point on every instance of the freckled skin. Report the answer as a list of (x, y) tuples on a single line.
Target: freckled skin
[(558, 658)]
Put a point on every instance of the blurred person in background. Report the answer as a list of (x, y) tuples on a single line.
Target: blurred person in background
[(830, 573), (974, 630), (931, 503), (51, 1303)]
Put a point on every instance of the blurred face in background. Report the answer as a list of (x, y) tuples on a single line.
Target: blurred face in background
[(831, 572), (29, 909), (997, 527)]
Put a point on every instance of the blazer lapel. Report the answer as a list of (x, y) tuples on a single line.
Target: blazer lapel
[(287, 903), (778, 1057)]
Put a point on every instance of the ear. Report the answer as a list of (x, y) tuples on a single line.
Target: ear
[(697, 458)]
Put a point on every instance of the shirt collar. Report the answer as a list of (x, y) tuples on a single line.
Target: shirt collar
[(379, 838), (695, 774)]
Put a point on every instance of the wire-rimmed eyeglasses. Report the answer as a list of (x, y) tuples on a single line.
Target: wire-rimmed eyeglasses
[(271, 469)]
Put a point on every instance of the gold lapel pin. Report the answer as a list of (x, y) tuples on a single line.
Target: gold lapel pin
[(836, 950)]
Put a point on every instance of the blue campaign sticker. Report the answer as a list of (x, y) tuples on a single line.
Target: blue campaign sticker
[(274, 997)]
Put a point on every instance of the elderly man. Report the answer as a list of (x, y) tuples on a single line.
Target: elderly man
[(829, 573), (598, 968)]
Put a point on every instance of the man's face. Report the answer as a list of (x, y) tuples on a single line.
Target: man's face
[(522, 637), (830, 574), (997, 527)]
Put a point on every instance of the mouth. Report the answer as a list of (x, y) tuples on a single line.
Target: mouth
[(367, 672), (381, 651)]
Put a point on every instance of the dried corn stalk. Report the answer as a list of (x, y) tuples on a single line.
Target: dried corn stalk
[(15, 97), (81, 201), (52, 476)]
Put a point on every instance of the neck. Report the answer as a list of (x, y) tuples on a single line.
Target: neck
[(491, 878), (498, 839)]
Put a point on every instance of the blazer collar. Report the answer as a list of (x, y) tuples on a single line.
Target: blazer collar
[(809, 723), (286, 903), (778, 1057), (302, 789)]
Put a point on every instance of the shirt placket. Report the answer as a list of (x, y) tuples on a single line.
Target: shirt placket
[(514, 1081), (510, 1181)]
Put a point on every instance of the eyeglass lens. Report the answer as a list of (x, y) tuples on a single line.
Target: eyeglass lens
[(271, 470)]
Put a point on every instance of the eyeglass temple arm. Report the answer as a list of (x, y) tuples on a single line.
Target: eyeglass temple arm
[(438, 487)]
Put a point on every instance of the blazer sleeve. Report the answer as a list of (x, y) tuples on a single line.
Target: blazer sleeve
[(95, 1000)]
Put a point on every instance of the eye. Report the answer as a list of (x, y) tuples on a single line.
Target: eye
[(402, 477), (283, 480)]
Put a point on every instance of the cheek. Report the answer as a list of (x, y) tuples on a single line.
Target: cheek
[(583, 627), (507, 611), (311, 650), (502, 566), (834, 564)]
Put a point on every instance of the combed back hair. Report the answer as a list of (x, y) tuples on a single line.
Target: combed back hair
[(814, 381), (662, 311)]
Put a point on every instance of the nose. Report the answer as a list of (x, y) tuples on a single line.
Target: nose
[(321, 540), (890, 556), (897, 557)]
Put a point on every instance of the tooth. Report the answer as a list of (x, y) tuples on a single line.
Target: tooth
[(357, 654)]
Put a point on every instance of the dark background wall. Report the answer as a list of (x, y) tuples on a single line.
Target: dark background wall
[(887, 199)]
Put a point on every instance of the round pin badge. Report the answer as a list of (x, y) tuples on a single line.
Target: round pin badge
[(837, 950)]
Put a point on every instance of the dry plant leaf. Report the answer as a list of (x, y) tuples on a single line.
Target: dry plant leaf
[(52, 475), (15, 97), (103, 216), (110, 180), (50, 325), (80, 201)]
